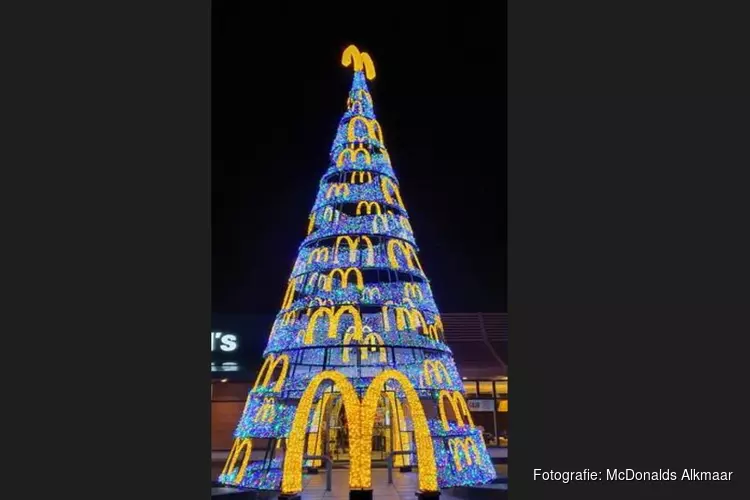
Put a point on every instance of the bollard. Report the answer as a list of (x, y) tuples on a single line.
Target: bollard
[(329, 467), (389, 462)]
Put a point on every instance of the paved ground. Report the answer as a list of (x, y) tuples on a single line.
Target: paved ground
[(403, 487)]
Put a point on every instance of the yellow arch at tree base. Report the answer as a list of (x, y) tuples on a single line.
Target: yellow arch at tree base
[(422, 437), (237, 447), (292, 475), (361, 418)]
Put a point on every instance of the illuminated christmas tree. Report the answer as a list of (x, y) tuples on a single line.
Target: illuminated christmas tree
[(358, 339)]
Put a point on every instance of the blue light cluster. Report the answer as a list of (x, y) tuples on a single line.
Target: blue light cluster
[(361, 224), (477, 473), (379, 163), (258, 475), (290, 335), (334, 193), (310, 261), (374, 294), (277, 423), (359, 93)]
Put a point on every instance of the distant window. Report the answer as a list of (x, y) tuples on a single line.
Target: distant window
[(470, 386), (485, 389)]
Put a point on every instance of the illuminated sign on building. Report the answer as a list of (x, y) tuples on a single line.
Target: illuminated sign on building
[(481, 404), (224, 342)]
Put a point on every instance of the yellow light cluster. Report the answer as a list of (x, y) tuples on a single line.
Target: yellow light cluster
[(319, 255), (311, 224), (412, 290), (361, 61), (371, 339), (387, 186), (374, 131), (383, 219), (361, 416), (319, 301), (292, 478), (407, 250), (363, 94), (465, 444), (353, 245), (362, 177), (403, 443), (329, 213), (336, 189), (436, 367), (328, 286), (371, 293), (406, 224), (267, 412), (352, 152), (369, 206), (460, 408), (425, 452), (333, 322), (234, 455), (289, 294), (414, 317), (289, 318), (266, 372)]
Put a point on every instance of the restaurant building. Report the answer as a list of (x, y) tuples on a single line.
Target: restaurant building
[(479, 342)]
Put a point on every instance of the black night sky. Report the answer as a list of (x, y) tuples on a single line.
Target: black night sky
[(278, 92)]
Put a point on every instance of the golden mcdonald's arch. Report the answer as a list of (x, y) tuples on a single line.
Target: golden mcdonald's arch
[(361, 416), (412, 290), (436, 367), (406, 224), (353, 245), (387, 186), (336, 189), (289, 318), (345, 278), (289, 294), (414, 317), (360, 61), (311, 224), (238, 446), (319, 301), (465, 445), (372, 127), (459, 406), (356, 107), (267, 370), (363, 94), (370, 293), (267, 412), (330, 214), (369, 206), (333, 322), (371, 342), (318, 254), (352, 152), (317, 278), (410, 255), (362, 176), (433, 332)]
